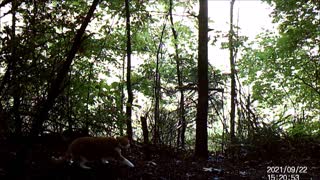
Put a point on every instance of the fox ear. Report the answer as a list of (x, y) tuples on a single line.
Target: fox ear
[(123, 141)]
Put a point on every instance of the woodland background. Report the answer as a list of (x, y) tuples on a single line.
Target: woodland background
[(134, 68)]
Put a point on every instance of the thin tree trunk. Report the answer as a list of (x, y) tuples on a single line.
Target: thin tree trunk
[(182, 119), (146, 144), (121, 122), (144, 126), (157, 99), (14, 78), (3, 122), (157, 104), (233, 79), (129, 87), (201, 148), (57, 85), (86, 125), (69, 106), (157, 90)]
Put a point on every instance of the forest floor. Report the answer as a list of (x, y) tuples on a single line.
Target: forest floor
[(302, 161)]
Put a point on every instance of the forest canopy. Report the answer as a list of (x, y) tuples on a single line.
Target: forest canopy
[(277, 74), (83, 80)]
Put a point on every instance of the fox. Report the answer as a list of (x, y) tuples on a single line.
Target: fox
[(89, 149)]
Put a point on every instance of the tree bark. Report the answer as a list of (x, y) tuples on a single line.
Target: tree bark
[(146, 144), (129, 87), (233, 79), (201, 148), (157, 90), (14, 78), (57, 85), (144, 129), (121, 121), (182, 119)]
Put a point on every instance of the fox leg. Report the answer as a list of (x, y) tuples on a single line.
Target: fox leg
[(83, 162), (105, 160), (127, 162), (123, 159)]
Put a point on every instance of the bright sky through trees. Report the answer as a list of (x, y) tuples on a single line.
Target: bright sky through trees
[(251, 16)]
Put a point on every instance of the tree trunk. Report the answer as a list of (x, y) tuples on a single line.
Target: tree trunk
[(201, 148), (57, 85), (4, 128), (120, 121), (157, 100), (146, 144), (70, 121), (129, 87), (182, 119), (233, 79), (157, 90), (157, 104), (144, 129), (87, 121), (14, 78)]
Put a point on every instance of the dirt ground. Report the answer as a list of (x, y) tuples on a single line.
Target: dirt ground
[(32, 161)]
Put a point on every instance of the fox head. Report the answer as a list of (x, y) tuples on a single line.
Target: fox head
[(123, 142)]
